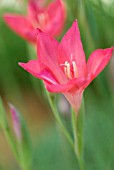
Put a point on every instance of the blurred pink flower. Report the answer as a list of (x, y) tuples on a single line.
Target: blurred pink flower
[(50, 19), (62, 66), (16, 122)]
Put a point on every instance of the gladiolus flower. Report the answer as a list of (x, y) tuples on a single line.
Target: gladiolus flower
[(62, 66), (50, 19)]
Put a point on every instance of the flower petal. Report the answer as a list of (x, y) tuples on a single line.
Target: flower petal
[(21, 26), (34, 8), (47, 54), (33, 67), (98, 60), (56, 22), (47, 76), (71, 48), (72, 86), (43, 18)]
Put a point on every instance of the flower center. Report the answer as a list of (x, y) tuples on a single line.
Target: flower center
[(43, 19), (70, 68)]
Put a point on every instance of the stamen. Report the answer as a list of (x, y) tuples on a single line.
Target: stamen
[(75, 69), (68, 71), (66, 62), (65, 70)]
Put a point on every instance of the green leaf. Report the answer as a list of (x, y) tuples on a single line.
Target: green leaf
[(6, 129), (23, 140)]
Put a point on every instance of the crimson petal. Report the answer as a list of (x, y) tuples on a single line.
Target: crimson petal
[(47, 54), (71, 48), (56, 21), (98, 60), (21, 26), (35, 7), (33, 67), (72, 86)]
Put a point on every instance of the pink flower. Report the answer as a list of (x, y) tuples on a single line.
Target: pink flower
[(50, 19), (62, 66), (16, 122)]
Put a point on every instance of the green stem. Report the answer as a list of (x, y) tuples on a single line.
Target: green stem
[(11, 142), (24, 167), (59, 121), (78, 127), (6, 129)]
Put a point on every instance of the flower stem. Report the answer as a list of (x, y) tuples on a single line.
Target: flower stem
[(78, 127), (58, 119), (24, 167)]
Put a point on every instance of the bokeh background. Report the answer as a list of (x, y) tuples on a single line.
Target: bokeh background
[(50, 149)]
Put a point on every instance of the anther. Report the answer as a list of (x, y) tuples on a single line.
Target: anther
[(69, 71), (75, 69)]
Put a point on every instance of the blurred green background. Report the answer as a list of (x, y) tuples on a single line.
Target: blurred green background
[(50, 149)]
